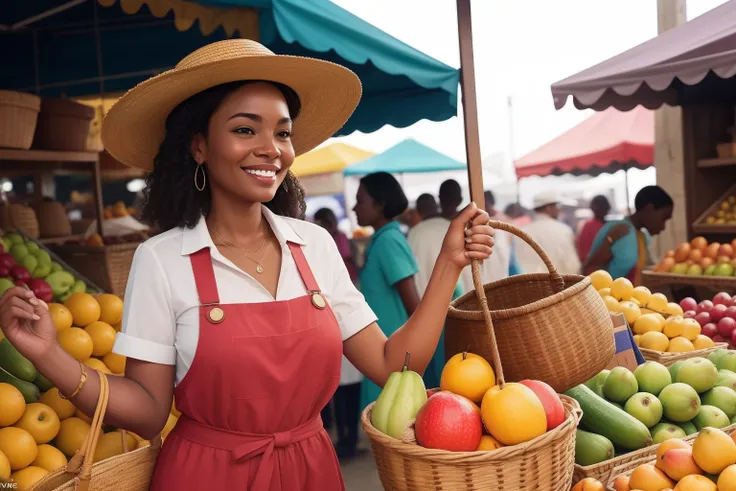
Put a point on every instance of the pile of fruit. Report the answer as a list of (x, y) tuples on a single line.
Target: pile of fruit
[(22, 261), (469, 412), (698, 257), (724, 213), (118, 210), (716, 317), (625, 411), (39, 430), (708, 465)]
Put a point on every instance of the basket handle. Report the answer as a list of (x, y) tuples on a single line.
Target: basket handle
[(480, 291), (558, 283)]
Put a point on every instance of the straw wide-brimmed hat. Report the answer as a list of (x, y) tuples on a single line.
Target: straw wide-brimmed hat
[(134, 128)]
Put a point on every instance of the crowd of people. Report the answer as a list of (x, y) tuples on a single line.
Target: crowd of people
[(398, 262)]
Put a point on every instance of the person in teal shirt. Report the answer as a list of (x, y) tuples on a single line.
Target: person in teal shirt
[(387, 278)]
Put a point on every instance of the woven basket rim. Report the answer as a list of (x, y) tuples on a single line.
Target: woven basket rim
[(20, 99), (580, 284), (681, 354), (573, 413)]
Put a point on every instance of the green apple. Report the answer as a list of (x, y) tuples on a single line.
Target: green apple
[(41, 271), (14, 237), (56, 267), (60, 282), (5, 284), (694, 270), (19, 251), (79, 286), (30, 262), (679, 268), (724, 269), (32, 247), (710, 270), (43, 257), (63, 298)]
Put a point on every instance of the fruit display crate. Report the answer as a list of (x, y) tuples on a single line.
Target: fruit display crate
[(725, 205), (654, 280), (668, 359)]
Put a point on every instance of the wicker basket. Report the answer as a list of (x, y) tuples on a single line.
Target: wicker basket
[(107, 266), (63, 125), (542, 464), (20, 218), (131, 470), (548, 327), (18, 117), (668, 359), (53, 220)]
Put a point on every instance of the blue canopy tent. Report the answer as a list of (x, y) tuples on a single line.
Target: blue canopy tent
[(89, 47), (408, 156)]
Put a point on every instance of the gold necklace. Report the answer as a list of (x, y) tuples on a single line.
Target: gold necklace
[(259, 266)]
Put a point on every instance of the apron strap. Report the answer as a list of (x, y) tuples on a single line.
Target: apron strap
[(303, 266), (204, 277)]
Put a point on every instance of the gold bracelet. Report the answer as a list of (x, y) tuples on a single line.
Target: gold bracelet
[(82, 381)]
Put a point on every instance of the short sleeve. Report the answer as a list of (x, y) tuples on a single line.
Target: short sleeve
[(395, 258), (352, 312), (149, 325)]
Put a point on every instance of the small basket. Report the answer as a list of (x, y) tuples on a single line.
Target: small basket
[(19, 218), (63, 125), (18, 118), (107, 266), (549, 327), (542, 464), (53, 220), (131, 470), (668, 359)]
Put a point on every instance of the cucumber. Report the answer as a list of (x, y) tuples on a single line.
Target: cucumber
[(603, 418), (15, 363), (30, 392), (42, 383), (591, 449)]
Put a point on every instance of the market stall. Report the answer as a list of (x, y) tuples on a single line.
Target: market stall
[(690, 66)]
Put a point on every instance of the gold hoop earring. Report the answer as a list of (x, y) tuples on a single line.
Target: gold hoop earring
[(204, 178)]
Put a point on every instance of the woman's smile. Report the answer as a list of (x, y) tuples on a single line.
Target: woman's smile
[(263, 174)]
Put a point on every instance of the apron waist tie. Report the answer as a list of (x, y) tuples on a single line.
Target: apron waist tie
[(244, 446)]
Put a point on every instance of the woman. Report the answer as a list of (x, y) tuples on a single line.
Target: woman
[(240, 309), (387, 278), (600, 207), (325, 218)]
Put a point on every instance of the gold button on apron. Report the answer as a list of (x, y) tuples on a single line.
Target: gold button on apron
[(318, 300), (216, 315)]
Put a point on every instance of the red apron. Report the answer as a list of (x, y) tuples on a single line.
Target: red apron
[(250, 403)]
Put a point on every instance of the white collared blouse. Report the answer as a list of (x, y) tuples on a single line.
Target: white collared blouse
[(160, 317)]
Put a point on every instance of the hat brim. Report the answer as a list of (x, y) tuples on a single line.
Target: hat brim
[(134, 128)]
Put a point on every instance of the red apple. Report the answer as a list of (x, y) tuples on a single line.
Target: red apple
[(688, 303), (20, 273), (709, 330), (731, 312), (703, 318), (705, 306), (718, 312), (690, 314), (733, 338), (550, 400), (719, 339), (41, 289), (726, 327), (6, 260), (448, 421), (431, 392), (4, 272), (722, 298)]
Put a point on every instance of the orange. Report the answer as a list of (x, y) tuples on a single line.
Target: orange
[(40, 421), (71, 435), (26, 478), (111, 444), (648, 323), (12, 404), (588, 484), (657, 302), (654, 340), (611, 304), (691, 330), (622, 289), (118, 327), (115, 362), (103, 337), (637, 337), (488, 443), (646, 477), (674, 326), (18, 446), (62, 407), (604, 291), (601, 279), (61, 316), (642, 294), (79, 414), (671, 444), (696, 483), (111, 308), (673, 309), (631, 311), (49, 458), (699, 243), (621, 483), (703, 342), (4, 467), (680, 345), (97, 364), (84, 308), (513, 414), (727, 479), (467, 375), (76, 342)]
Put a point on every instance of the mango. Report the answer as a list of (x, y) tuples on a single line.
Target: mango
[(398, 403)]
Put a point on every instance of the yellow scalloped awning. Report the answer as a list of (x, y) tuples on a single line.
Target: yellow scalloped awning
[(325, 160), (241, 19)]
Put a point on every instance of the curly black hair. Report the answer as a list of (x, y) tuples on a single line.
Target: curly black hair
[(170, 199)]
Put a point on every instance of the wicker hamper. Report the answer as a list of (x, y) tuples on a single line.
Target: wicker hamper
[(668, 359), (53, 220), (63, 125), (544, 463), (107, 266), (19, 218), (548, 326), (18, 117)]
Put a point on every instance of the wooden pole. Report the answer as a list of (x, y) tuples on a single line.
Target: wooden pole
[(469, 101)]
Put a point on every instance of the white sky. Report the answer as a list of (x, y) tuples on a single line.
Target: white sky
[(521, 47)]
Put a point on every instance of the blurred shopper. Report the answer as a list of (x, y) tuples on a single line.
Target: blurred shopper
[(518, 215), (387, 279), (451, 197), (555, 238), (600, 207), (622, 246), (345, 403)]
